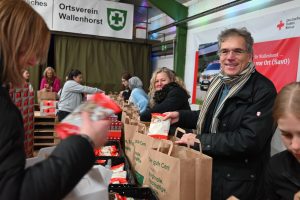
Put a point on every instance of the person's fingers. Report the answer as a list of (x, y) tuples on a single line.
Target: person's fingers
[(85, 116), (105, 123), (297, 196), (179, 142), (167, 115)]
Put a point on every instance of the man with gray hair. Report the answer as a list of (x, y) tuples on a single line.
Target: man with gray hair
[(235, 124)]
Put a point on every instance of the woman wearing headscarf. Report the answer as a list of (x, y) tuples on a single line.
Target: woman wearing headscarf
[(138, 96)]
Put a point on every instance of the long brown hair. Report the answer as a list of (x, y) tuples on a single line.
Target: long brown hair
[(287, 101), (126, 76), (22, 32)]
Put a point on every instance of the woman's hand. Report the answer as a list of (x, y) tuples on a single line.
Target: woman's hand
[(174, 116), (297, 196), (188, 139), (96, 130)]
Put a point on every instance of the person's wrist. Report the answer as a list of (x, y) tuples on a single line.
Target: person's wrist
[(88, 138)]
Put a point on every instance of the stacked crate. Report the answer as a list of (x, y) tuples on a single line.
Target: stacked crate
[(24, 100), (115, 129), (44, 134), (48, 107)]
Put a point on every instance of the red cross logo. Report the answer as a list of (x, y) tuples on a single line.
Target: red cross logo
[(280, 25)]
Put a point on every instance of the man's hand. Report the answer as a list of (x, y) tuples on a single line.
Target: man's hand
[(188, 139), (297, 196), (174, 116)]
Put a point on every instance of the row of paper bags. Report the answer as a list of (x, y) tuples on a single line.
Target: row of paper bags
[(172, 171)]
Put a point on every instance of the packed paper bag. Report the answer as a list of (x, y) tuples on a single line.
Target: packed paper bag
[(99, 106), (159, 128), (142, 144), (178, 172), (130, 127), (43, 95)]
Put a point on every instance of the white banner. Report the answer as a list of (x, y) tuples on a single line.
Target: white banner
[(92, 17)]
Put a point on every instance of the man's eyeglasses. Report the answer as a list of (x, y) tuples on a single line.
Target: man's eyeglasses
[(236, 52)]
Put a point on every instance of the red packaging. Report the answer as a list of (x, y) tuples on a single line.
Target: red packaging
[(99, 105), (159, 128)]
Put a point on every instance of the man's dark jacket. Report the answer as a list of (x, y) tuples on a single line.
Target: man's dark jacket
[(282, 177), (241, 147)]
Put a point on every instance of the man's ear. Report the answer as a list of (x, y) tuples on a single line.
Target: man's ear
[(251, 56)]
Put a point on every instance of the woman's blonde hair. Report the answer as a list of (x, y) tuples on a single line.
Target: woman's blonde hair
[(49, 69), (287, 101), (173, 78), (22, 32)]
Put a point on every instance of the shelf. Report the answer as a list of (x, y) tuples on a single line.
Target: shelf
[(44, 123), (45, 137), (45, 144), (37, 114), (44, 134), (43, 130)]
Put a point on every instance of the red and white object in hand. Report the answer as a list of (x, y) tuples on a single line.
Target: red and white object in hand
[(99, 106), (159, 128)]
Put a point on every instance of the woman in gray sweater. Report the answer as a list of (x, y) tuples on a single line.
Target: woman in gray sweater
[(71, 95)]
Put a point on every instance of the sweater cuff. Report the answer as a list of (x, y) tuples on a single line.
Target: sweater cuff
[(88, 139)]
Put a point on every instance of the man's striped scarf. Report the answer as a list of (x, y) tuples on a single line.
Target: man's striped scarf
[(235, 83)]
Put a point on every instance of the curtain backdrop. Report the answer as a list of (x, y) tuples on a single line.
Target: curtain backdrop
[(102, 61)]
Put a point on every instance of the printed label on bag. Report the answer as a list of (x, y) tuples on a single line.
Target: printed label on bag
[(128, 145), (140, 142), (139, 178), (127, 148), (137, 157), (156, 183), (162, 165)]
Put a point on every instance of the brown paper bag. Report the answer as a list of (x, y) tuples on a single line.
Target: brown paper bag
[(42, 95), (175, 138), (201, 176), (130, 127), (180, 173), (142, 144), (125, 113), (130, 111)]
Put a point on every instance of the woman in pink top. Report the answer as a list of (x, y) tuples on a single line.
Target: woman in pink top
[(50, 82)]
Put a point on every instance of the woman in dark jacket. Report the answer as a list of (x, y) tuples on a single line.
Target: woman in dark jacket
[(283, 171), (24, 41), (166, 93)]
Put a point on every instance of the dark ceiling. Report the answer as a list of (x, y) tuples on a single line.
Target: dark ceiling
[(142, 8)]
